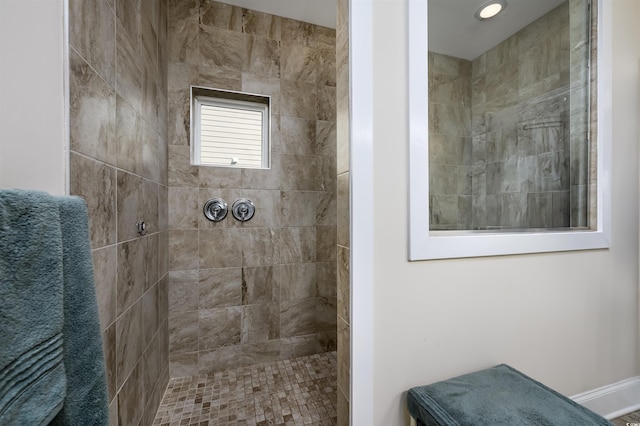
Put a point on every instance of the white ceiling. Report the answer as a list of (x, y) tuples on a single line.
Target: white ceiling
[(454, 29), (319, 12)]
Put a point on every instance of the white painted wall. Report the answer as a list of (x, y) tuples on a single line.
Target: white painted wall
[(568, 319), (33, 135)]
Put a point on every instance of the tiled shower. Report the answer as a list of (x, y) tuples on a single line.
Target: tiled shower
[(242, 293), (189, 296)]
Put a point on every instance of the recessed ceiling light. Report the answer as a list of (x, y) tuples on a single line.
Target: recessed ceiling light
[(490, 9)]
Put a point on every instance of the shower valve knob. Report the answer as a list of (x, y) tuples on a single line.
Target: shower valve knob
[(215, 209), (243, 209)]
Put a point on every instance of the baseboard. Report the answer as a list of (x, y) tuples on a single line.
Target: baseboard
[(613, 400)]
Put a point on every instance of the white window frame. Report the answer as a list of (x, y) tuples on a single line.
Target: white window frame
[(233, 100)]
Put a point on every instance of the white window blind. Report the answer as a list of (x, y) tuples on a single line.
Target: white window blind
[(230, 132)]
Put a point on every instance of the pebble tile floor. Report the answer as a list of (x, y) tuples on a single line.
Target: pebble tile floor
[(298, 391)]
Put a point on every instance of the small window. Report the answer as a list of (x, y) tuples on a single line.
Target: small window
[(229, 129)]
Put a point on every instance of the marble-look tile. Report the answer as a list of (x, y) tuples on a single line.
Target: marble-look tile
[(297, 317), (163, 208), (297, 244), (298, 281), (183, 332), (262, 57), (298, 172), (149, 166), (260, 246), (342, 210), (130, 204), (149, 206), (131, 273), (128, 342), (264, 178), (325, 138), (326, 318), (444, 211), (218, 359), (183, 291), (539, 210), (128, 68), (92, 109), (109, 347), (105, 261), (130, 408), (326, 241), (326, 73), (344, 357), (163, 253), (183, 43), (262, 24), (220, 15), (260, 323), (297, 346), (265, 86), (92, 33), (219, 248), (96, 183), (149, 47), (299, 63), (344, 284), (260, 352), (326, 103), (220, 177), (294, 105), (260, 284), (326, 279), (561, 209), (297, 32), (150, 316), (298, 208), (267, 205), (514, 208), (151, 370), (219, 288), (183, 364), (298, 135), (184, 209), (128, 137), (128, 14), (326, 209), (327, 340), (163, 301), (219, 327), (183, 250), (181, 172), (223, 51), (178, 106)]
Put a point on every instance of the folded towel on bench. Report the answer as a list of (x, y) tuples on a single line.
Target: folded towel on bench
[(500, 395)]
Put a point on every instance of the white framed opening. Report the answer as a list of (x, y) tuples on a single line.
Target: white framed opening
[(426, 244), (229, 129)]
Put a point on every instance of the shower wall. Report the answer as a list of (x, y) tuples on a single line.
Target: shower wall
[(262, 290), (520, 107), (501, 154), (343, 213), (118, 164)]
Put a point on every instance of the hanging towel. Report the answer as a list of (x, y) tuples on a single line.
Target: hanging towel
[(32, 376), (85, 402), (51, 358)]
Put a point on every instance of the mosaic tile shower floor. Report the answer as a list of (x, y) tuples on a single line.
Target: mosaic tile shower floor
[(298, 391)]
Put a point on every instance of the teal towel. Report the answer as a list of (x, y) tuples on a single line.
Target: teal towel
[(32, 376), (85, 402), (500, 395), (51, 357)]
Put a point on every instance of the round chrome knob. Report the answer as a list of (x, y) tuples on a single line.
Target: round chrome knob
[(243, 209), (215, 209)]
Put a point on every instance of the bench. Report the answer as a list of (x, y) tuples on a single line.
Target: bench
[(496, 396)]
